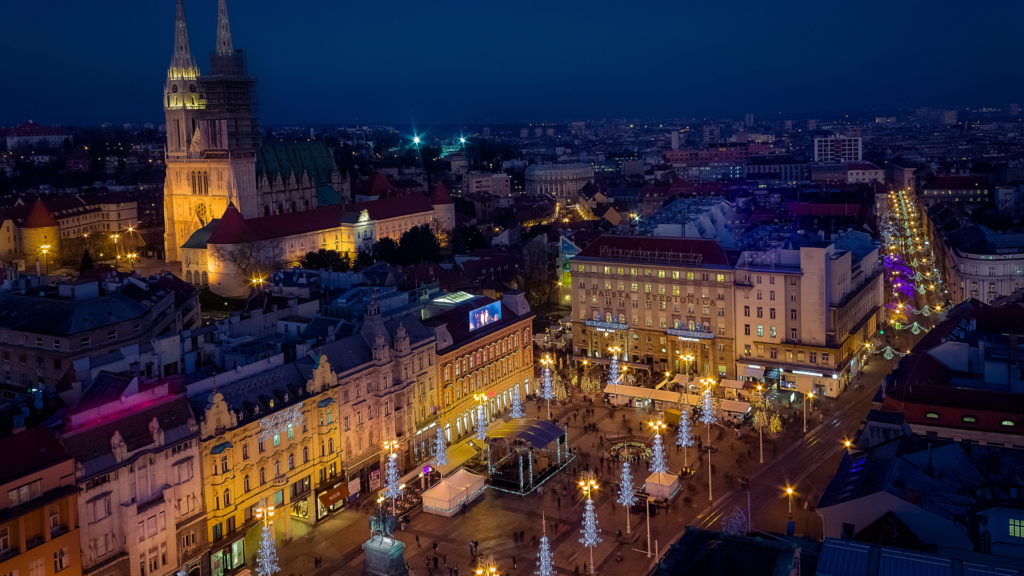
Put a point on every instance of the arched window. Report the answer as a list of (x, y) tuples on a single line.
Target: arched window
[(263, 476), (206, 279), (188, 276), (245, 483), (330, 446), (277, 468), (305, 454), (291, 461), (227, 497), (932, 415)]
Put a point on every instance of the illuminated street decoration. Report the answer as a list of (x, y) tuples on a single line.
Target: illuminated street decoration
[(280, 422)]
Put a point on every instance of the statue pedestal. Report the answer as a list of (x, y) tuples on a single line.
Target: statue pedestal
[(384, 557)]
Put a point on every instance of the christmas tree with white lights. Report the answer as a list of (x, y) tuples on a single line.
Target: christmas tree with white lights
[(545, 561), (481, 423), (658, 463), (707, 412), (589, 530), (547, 385), (613, 370), (517, 403), (392, 489), (266, 557), (440, 449), (627, 496)]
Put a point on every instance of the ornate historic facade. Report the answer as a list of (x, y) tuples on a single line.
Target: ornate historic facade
[(214, 152)]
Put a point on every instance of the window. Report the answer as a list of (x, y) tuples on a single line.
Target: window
[(61, 559), (37, 568), (25, 493), (720, 277), (1016, 528), (932, 415), (721, 311), (771, 313), (5, 539), (746, 329), (223, 464), (760, 330), (245, 451), (746, 349), (824, 357), (814, 357), (1008, 423), (760, 312), (39, 342), (86, 342), (277, 439), (970, 419), (746, 311), (112, 335), (792, 314), (218, 531)]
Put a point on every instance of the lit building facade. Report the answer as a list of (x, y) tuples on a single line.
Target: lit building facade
[(39, 525), (563, 181), (656, 299), (829, 149), (137, 454), (489, 359), (805, 310)]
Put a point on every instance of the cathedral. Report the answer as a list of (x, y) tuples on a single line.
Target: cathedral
[(233, 205)]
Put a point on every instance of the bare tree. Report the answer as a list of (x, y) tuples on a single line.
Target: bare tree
[(537, 276), (441, 232), (254, 259)]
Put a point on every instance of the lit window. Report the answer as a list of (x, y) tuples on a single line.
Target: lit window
[(970, 419), (1009, 423), (932, 415)]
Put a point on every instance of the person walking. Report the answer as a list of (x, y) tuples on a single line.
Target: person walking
[(513, 561), (559, 502), (456, 570), (418, 541)]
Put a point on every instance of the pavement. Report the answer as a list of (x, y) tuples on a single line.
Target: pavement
[(805, 462)]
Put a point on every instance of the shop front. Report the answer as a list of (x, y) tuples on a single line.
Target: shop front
[(331, 499), (229, 558)]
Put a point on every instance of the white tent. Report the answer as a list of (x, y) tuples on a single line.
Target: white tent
[(662, 486), (450, 494)]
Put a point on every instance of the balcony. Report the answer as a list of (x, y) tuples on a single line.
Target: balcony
[(30, 544), (281, 480), (9, 553)]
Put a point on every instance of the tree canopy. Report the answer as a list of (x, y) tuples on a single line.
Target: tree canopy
[(323, 259)]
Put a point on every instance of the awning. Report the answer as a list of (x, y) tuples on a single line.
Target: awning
[(220, 447), (457, 458), (751, 372), (540, 433), (334, 495), (646, 393), (735, 406), (731, 384), (413, 475)]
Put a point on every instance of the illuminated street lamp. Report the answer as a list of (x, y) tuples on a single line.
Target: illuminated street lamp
[(486, 566), (789, 492), (588, 483), (266, 515), (46, 256), (131, 258), (809, 395)]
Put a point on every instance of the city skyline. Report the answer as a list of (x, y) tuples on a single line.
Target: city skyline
[(412, 64)]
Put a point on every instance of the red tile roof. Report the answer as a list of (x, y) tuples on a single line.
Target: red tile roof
[(710, 251), (395, 207), (374, 185), (40, 217), (439, 195), (233, 229)]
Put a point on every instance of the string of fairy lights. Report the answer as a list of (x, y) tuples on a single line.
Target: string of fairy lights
[(910, 269)]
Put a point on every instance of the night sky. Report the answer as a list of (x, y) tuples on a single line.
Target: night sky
[(400, 61)]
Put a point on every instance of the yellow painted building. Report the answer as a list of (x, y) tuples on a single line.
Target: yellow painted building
[(270, 439), (38, 507)]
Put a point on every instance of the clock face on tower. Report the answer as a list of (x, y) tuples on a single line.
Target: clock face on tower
[(174, 88), (191, 87)]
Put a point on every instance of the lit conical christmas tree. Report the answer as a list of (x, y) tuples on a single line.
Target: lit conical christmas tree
[(707, 412), (266, 557), (589, 530), (613, 368), (392, 488), (545, 561), (684, 435), (627, 496), (440, 449), (658, 463), (517, 403), (481, 423)]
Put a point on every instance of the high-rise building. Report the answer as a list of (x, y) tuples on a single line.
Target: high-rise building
[(838, 149), (1014, 109), (748, 120)]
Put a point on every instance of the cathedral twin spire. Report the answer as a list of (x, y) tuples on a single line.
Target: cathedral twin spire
[(183, 65)]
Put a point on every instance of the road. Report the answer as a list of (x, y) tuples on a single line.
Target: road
[(818, 448)]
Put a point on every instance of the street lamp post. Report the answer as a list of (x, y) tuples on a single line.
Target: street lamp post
[(131, 258), (486, 566), (760, 425), (789, 492), (266, 515), (806, 396), (46, 256), (588, 483)]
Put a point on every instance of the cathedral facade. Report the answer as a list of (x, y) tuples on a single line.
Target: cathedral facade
[(215, 156)]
